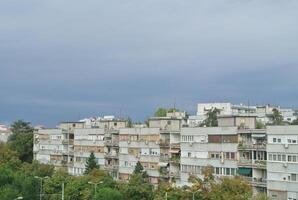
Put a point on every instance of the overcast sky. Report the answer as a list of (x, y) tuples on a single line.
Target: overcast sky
[(63, 60)]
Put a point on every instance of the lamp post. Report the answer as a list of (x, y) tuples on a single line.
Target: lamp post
[(40, 190), (95, 185)]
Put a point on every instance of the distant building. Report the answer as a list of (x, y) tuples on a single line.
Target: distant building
[(4, 133)]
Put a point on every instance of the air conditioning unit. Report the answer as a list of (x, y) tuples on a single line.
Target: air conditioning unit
[(222, 161), (146, 142), (286, 145), (156, 142), (253, 142)]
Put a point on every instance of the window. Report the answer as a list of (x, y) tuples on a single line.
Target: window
[(274, 140), (289, 158), (294, 141), (293, 177), (270, 156), (279, 140), (228, 172), (279, 157), (274, 157), (233, 155), (189, 154), (294, 158), (284, 158)]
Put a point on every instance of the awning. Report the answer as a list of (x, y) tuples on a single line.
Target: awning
[(245, 171), (174, 151), (163, 164)]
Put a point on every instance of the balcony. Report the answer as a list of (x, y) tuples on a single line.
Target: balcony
[(256, 182), (67, 141), (175, 159), (111, 167), (252, 163), (111, 155), (164, 158), (251, 146), (175, 145), (110, 143), (164, 143)]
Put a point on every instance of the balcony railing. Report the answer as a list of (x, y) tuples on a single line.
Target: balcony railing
[(259, 182), (252, 163), (111, 155), (251, 146), (112, 143)]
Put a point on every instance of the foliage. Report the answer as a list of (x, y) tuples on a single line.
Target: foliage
[(276, 117), (171, 110), (295, 122), (161, 112), (108, 194), (260, 196), (171, 192), (91, 163), (138, 168), (260, 125), (211, 120), (230, 188), (129, 122), (21, 140), (137, 188)]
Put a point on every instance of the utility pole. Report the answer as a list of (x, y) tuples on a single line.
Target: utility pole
[(62, 197)]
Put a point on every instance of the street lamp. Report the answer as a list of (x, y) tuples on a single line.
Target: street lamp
[(95, 185), (40, 190)]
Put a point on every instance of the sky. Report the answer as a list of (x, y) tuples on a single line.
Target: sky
[(68, 59)]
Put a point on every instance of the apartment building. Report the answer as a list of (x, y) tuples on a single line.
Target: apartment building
[(252, 160), (208, 146), (140, 144), (170, 151), (51, 147), (87, 140), (282, 167)]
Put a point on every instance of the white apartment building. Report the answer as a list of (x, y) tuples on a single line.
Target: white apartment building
[(51, 147), (208, 146), (87, 140), (282, 167), (140, 144)]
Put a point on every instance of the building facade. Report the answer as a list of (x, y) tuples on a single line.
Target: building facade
[(282, 167)]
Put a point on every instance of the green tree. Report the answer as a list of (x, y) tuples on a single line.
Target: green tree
[(129, 122), (91, 163), (211, 120), (161, 112), (21, 140), (276, 117), (260, 125), (171, 110), (230, 188), (138, 168), (295, 122), (108, 194)]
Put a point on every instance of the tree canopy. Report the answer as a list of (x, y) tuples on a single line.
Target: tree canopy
[(21, 140), (91, 163)]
